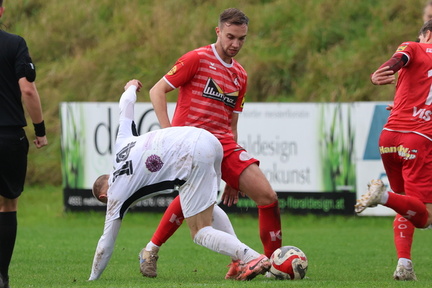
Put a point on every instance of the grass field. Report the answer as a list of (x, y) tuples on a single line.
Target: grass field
[(55, 249)]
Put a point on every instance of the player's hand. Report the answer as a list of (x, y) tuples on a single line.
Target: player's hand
[(135, 82), (383, 76), (230, 196), (389, 107), (40, 142)]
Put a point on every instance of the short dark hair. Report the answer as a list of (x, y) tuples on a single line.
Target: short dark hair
[(426, 27), (233, 16), (99, 184)]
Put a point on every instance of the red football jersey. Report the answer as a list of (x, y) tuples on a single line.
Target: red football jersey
[(210, 91), (412, 109)]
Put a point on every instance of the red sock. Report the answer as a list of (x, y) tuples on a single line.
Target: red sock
[(270, 227), (170, 222), (403, 236), (410, 208)]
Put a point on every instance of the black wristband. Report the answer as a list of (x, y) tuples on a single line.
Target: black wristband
[(39, 129)]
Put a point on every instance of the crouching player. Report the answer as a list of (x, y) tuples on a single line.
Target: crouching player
[(185, 159)]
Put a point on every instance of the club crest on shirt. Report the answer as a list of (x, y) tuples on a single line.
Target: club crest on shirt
[(213, 91), (172, 71), (154, 163), (175, 68)]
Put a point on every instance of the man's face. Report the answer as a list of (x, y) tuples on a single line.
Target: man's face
[(230, 40), (427, 13)]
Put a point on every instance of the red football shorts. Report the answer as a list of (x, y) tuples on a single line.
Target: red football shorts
[(407, 159), (235, 160)]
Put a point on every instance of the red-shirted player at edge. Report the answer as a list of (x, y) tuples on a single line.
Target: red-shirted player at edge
[(405, 145), (212, 88)]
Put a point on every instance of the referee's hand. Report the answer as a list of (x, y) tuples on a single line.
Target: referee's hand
[(40, 141)]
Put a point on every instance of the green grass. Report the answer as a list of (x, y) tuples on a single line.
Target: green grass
[(55, 249)]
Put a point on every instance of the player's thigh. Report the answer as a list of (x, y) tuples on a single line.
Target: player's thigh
[(13, 152), (8, 205), (200, 190), (255, 185), (417, 166), (389, 142)]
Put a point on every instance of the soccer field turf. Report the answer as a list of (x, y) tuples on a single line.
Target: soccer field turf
[(55, 249)]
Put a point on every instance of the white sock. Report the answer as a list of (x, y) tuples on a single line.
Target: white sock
[(151, 245), (384, 197), (221, 221), (224, 243), (405, 262)]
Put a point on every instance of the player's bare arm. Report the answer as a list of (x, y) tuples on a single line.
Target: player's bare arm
[(158, 98), (230, 196), (385, 74), (31, 100), (234, 121)]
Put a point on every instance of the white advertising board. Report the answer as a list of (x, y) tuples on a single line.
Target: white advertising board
[(308, 149)]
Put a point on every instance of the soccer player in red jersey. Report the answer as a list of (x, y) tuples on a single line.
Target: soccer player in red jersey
[(212, 86), (406, 145), (403, 230)]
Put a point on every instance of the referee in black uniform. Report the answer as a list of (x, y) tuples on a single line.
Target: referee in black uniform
[(17, 87)]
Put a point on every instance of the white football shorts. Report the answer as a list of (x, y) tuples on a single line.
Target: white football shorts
[(200, 190)]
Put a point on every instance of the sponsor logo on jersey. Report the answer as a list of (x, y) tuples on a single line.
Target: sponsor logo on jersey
[(213, 91), (402, 47), (422, 113), (428, 50)]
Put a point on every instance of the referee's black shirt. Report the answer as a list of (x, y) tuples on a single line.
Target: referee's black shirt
[(14, 57)]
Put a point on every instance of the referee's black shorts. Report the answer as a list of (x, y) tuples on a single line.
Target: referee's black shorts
[(14, 148)]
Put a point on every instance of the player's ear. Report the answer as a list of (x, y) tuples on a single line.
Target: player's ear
[(103, 198)]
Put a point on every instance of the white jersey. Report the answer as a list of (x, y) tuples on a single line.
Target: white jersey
[(186, 159), (157, 161)]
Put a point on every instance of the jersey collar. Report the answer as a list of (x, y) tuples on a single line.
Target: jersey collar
[(213, 46)]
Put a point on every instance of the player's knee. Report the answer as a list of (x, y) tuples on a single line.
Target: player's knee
[(272, 197), (8, 205), (267, 198)]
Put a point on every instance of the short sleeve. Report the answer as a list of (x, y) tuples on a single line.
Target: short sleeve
[(183, 70), (407, 49), (23, 61)]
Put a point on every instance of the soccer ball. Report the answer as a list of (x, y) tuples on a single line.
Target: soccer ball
[(288, 263)]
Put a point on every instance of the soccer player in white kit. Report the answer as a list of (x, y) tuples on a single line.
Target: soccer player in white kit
[(186, 159)]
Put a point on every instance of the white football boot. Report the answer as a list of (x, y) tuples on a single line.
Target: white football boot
[(148, 260), (372, 197), (404, 272)]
